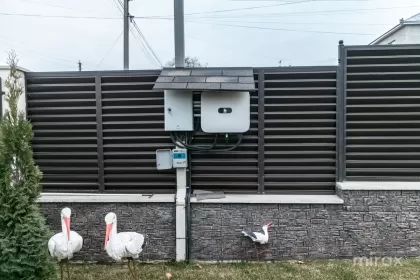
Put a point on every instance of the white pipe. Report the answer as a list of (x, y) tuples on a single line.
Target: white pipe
[(181, 193)]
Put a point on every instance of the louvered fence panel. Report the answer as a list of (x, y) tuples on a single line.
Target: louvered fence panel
[(300, 130), (62, 109), (133, 129), (383, 112)]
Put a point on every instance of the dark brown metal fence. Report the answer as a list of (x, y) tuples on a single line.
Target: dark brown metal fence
[(300, 129), (382, 104), (310, 127), (98, 131)]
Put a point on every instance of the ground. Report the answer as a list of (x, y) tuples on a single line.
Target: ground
[(381, 269)]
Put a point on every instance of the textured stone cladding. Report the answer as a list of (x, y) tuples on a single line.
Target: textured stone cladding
[(370, 223), (155, 220)]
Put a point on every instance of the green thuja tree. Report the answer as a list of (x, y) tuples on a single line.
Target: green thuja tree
[(23, 232)]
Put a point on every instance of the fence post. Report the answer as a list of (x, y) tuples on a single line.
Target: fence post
[(341, 115), (99, 132), (261, 156)]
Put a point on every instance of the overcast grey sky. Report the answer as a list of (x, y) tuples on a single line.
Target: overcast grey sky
[(309, 31)]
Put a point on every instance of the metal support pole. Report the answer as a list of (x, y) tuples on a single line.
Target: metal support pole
[(179, 33), (261, 152), (126, 41), (341, 115), (99, 133)]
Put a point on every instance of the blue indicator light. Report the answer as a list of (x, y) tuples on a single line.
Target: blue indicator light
[(179, 155)]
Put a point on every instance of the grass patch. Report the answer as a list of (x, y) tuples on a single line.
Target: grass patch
[(293, 270)]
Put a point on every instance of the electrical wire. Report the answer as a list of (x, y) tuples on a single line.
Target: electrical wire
[(29, 49), (55, 6), (54, 16), (256, 7), (280, 29), (297, 23), (248, 8), (137, 28), (189, 141), (178, 142), (143, 49), (120, 7), (147, 43), (325, 12), (106, 55)]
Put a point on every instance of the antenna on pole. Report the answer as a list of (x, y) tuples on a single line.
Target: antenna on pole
[(179, 33), (80, 65)]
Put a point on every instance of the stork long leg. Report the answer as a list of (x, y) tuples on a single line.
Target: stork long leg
[(61, 269), (135, 269), (256, 251), (68, 271), (131, 268)]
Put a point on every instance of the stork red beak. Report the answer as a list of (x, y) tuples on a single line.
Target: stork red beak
[(108, 230), (67, 222), (269, 225)]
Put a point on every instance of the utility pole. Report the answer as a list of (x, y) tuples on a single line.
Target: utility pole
[(80, 65), (179, 33), (126, 41)]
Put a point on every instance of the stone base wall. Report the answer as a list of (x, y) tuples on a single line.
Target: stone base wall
[(155, 220), (370, 223)]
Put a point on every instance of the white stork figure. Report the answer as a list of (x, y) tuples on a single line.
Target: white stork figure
[(63, 245), (258, 237), (122, 245)]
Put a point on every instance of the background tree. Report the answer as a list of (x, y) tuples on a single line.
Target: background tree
[(23, 232), (190, 62)]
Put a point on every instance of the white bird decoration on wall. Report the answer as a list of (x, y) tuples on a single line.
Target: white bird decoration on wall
[(122, 245), (258, 237), (63, 245)]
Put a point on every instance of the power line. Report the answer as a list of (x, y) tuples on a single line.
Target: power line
[(29, 49), (55, 6), (257, 7), (248, 8), (144, 50), (345, 11), (148, 45), (280, 29), (61, 16), (120, 7), (313, 12), (113, 45), (296, 23), (216, 16)]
